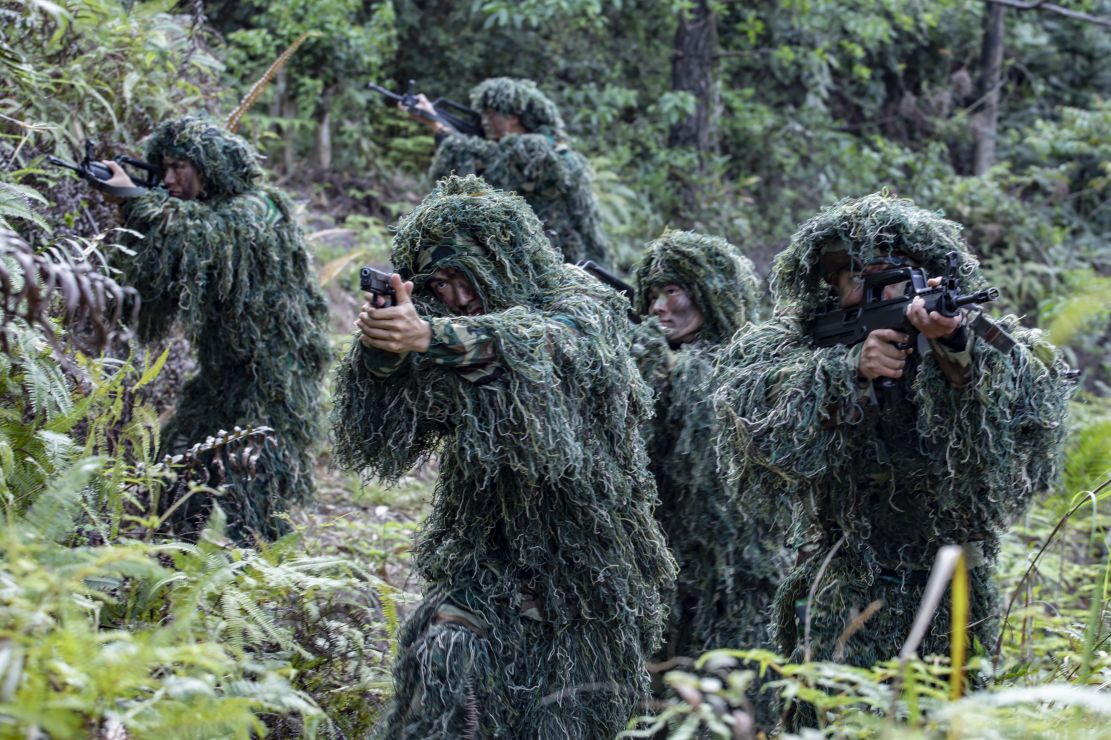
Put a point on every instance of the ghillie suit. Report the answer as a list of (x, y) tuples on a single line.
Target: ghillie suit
[(540, 166), (730, 561), (728, 566), (231, 266), (543, 566), (975, 436)]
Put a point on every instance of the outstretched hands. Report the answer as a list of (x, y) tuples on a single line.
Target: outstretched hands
[(397, 328)]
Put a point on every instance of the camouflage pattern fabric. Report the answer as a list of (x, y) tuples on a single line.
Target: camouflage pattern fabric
[(543, 566), (539, 165), (233, 270), (469, 349), (953, 463)]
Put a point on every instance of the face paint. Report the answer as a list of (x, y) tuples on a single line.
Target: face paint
[(680, 318)]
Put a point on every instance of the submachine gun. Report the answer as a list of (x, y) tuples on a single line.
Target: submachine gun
[(850, 326), (454, 115), (97, 174)]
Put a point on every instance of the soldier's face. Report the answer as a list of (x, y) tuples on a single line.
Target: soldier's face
[(849, 285), (496, 125), (679, 316), (454, 290), (181, 178)]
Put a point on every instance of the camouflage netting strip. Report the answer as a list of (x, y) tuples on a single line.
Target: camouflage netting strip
[(953, 465), (543, 482), (555, 181), (234, 270), (521, 98)]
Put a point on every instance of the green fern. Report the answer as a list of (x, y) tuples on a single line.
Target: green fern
[(386, 594), (18, 201), (1084, 305), (1088, 461)]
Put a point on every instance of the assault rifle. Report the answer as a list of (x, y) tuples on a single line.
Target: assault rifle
[(97, 174), (607, 277), (453, 115), (850, 326), (378, 283)]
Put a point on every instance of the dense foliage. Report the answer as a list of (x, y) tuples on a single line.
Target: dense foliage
[(109, 627)]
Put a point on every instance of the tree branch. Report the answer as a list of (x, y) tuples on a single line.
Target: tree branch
[(1042, 5)]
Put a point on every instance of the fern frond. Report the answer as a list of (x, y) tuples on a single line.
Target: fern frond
[(1088, 460), (31, 283), (389, 611), (1087, 302), (257, 88), (51, 515), (18, 201)]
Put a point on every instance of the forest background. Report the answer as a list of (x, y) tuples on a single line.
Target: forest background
[(737, 119)]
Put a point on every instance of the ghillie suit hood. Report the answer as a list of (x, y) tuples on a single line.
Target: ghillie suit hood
[(540, 166), (521, 98), (541, 531), (227, 162), (950, 463), (858, 232), (730, 563), (232, 269), (720, 280)]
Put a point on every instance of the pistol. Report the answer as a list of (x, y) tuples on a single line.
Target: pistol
[(378, 283)]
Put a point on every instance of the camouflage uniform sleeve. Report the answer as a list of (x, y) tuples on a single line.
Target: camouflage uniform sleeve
[(378, 362), (453, 345), (954, 357), (471, 350)]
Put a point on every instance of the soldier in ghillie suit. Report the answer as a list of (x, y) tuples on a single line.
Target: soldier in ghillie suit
[(543, 566), (700, 290), (223, 256), (879, 487), (526, 150)]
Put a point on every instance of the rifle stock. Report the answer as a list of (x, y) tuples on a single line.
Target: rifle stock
[(607, 277)]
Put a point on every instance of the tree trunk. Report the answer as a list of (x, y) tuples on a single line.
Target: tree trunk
[(991, 80), (324, 131), (694, 70)]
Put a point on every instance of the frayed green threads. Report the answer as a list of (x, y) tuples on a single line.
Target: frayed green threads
[(232, 269), (538, 165), (544, 500), (947, 465)]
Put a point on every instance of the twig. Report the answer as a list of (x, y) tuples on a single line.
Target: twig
[(1042, 5)]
